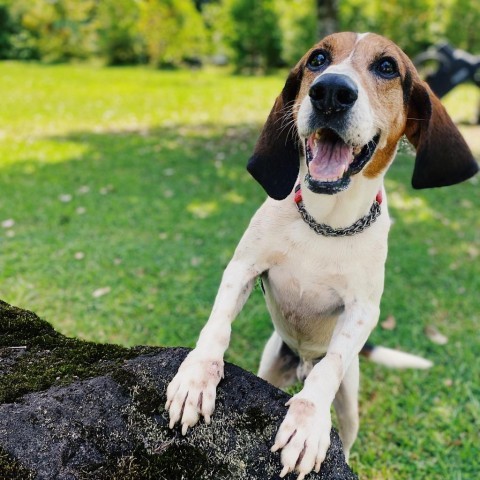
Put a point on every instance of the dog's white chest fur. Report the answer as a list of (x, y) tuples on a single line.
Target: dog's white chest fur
[(307, 286), (303, 315)]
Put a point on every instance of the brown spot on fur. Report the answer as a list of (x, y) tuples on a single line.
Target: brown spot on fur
[(214, 369), (381, 160), (302, 406), (340, 45), (275, 258)]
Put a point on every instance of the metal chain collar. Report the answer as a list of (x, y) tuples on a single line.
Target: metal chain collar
[(328, 231)]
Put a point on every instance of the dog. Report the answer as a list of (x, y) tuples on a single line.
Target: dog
[(319, 242)]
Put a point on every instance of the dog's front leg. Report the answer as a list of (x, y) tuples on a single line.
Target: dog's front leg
[(304, 435), (192, 391)]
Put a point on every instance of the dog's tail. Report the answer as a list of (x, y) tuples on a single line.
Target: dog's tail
[(394, 358)]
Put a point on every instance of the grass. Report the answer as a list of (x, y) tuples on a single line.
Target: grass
[(128, 193)]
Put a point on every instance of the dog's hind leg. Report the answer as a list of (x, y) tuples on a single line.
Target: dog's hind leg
[(279, 363), (346, 406)]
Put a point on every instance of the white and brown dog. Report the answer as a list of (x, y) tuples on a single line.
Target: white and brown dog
[(319, 242)]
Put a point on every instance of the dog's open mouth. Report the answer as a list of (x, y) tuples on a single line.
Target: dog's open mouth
[(331, 162)]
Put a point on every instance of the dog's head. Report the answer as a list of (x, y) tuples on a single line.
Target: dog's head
[(343, 108)]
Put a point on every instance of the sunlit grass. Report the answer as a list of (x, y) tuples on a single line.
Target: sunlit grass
[(131, 182)]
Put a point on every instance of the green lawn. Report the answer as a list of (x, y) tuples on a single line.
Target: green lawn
[(128, 193)]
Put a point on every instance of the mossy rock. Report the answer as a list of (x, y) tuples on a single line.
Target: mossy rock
[(78, 410)]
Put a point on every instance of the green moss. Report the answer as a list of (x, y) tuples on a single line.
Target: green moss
[(12, 470), (48, 358)]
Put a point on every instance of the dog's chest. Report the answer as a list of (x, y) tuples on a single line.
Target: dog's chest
[(303, 292), (306, 286)]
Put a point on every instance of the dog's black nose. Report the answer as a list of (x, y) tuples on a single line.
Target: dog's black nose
[(333, 92)]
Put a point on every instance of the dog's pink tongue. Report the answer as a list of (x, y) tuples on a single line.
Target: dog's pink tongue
[(331, 157)]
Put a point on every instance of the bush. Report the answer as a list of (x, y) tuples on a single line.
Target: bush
[(54, 31), (256, 35), (119, 40), (173, 31), (253, 35), (298, 23), (6, 31), (413, 24)]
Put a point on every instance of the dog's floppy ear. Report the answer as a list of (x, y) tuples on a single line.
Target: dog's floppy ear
[(275, 160), (443, 157)]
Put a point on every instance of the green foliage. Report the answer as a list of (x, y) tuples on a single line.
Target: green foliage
[(119, 40), (415, 24), (254, 35), (298, 24), (7, 28), (55, 31), (463, 21), (173, 31)]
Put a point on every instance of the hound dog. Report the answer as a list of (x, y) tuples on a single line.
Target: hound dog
[(319, 242)]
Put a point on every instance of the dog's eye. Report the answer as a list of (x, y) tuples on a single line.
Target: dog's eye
[(386, 68), (317, 60)]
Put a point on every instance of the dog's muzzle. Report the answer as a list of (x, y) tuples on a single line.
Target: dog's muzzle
[(331, 162), (330, 159)]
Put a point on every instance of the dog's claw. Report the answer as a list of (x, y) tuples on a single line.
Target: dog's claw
[(284, 471), (192, 391), (303, 436)]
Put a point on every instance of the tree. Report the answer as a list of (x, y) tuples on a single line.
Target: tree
[(173, 31), (327, 17), (118, 35), (467, 14), (298, 25), (55, 31), (254, 35), (7, 28)]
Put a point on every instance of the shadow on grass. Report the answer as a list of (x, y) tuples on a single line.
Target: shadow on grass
[(148, 218), (127, 241)]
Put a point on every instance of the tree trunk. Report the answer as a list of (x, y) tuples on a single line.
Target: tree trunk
[(327, 17)]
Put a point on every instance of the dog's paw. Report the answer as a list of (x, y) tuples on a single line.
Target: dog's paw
[(192, 391), (303, 436)]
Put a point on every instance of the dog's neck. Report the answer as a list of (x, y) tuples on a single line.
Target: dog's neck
[(344, 208)]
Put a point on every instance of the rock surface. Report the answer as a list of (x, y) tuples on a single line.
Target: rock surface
[(77, 410)]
